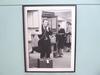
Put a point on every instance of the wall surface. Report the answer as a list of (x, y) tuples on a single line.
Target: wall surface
[(87, 42)]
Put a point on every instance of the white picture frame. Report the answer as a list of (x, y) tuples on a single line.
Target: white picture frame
[(32, 25)]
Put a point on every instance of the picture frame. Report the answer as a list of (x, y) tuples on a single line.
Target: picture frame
[(55, 17)]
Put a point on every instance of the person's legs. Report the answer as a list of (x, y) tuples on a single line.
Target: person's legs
[(55, 51), (54, 47), (48, 51), (42, 54), (47, 54), (41, 47), (59, 52)]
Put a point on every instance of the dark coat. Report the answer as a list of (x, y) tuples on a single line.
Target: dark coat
[(60, 38), (44, 42)]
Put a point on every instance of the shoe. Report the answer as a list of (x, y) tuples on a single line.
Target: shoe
[(32, 52)]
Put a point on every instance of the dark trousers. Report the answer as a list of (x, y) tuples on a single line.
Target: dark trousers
[(45, 54), (45, 49)]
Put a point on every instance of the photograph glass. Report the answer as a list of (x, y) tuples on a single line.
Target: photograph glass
[(49, 38)]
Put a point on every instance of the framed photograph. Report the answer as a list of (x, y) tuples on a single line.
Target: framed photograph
[(49, 38)]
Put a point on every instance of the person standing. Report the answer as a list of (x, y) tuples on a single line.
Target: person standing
[(68, 41), (60, 41), (44, 42)]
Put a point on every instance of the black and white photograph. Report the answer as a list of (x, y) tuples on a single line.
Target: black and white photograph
[(49, 38)]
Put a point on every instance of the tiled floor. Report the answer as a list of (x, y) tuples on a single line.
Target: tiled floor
[(59, 62)]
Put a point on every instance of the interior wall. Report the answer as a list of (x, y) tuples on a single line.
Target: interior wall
[(87, 37)]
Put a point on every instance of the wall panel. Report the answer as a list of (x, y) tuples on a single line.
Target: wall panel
[(11, 37)]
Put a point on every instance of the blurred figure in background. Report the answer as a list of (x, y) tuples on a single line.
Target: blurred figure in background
[(68, 36), (53, 45), (60, 40)]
